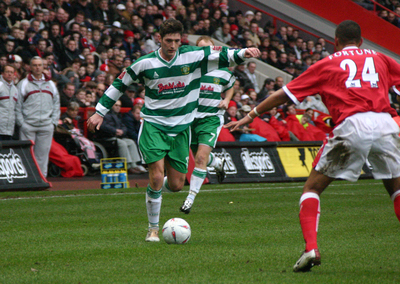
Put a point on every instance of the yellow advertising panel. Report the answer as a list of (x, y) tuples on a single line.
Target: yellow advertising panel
[(297, 161)]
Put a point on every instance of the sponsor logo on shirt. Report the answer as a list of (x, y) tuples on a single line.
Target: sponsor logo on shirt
[(207, 88), (217, 48), (171, 86)]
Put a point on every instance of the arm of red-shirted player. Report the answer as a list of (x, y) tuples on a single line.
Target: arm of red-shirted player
[(276, 99), (396, 89)]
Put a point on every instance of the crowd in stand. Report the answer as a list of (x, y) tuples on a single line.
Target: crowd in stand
[(85, 45), (389, 10)]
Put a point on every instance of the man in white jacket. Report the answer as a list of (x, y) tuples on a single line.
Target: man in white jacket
[(38, 111), (8, 100)]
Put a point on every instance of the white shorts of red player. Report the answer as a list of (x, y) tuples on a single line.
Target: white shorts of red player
[(369, 135)]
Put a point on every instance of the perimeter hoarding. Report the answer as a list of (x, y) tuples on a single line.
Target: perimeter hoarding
[(18, 167), (268, 161)]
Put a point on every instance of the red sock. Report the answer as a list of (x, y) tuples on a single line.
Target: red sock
[(309, 218), (396, 202)]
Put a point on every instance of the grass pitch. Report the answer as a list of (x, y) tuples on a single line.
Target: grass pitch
[(241, 233)]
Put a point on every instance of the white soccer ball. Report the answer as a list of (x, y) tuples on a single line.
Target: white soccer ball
[(176, 231)]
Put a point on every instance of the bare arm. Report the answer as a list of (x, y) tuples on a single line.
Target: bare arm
[(276, 99), (225, 102)]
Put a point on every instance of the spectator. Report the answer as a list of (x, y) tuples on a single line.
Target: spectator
[(315, 133), (298, 48), (282, 61), (264, 56), (267, 87), (152, 43), (16, 15), (313, 102), (99, 76), (100, 89), (67, 94), (84, 6), (40, 48), (129, 96), (251, 74), (278, 83), (279, 124), (294, 123), (80, 98), (18, 68), (241, 75), (244, 100), (8, 100), (115, 66), (90, 99), (9, 47), (223, 34), (290, 69), (38, 111), (254, 34), (104, 13), (230, 115), (132, 122), (272, 58), (71, 52), (113, 128)]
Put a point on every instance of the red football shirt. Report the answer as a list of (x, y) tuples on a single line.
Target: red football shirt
[(349, 81)]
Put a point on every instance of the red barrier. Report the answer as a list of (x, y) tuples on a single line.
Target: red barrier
[(373, 27)]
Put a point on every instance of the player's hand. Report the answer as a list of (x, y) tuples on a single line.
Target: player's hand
[(94, 121), (234, 125), (223, 104), (252, 52)]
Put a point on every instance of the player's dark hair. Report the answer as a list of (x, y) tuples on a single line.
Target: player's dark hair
[(171, 26), (348, 32)]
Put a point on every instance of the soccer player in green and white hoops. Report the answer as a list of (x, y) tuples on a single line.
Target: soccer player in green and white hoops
[(207, 125), (171, 76)]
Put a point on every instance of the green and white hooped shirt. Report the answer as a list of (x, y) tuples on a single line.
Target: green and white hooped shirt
[(171, 88), (211, 86)]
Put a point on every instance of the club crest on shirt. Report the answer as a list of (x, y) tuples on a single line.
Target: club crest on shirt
[(185, 70), (216, 81)]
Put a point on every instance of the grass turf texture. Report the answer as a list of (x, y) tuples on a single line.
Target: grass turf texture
[(241, 233)]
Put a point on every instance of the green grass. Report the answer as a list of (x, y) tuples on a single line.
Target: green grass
[(241, 233)]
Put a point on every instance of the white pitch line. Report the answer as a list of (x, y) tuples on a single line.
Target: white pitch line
[(202, 190)]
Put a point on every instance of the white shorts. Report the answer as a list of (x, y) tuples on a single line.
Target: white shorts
[(370, 135)]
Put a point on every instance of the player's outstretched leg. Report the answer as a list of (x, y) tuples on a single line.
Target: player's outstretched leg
[(196, 181), (219, 166), (309, 217), (393, 188), (153, 205)]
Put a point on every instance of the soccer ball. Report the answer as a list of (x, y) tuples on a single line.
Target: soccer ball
[(176, 231)]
